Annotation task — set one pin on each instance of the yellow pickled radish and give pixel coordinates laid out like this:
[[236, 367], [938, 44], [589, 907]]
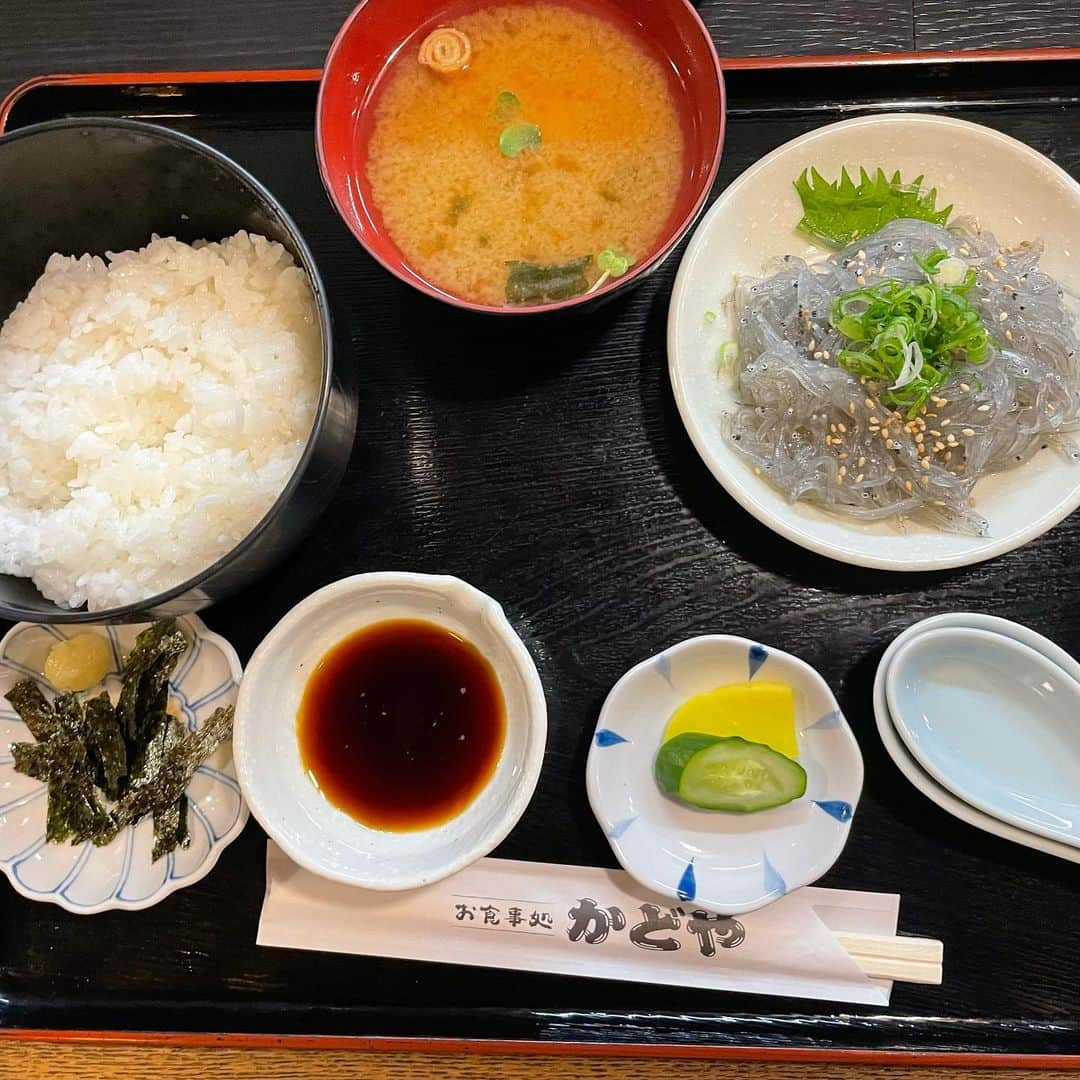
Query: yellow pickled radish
[[78, 663], [761, 712], [446, 50]]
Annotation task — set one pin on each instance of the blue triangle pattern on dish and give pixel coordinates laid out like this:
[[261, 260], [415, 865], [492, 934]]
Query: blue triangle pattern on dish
[[620, 827], [827, 722], [606, 737], [687, 887], [758, 655], [663, 668], [836, 808], [774, 883]]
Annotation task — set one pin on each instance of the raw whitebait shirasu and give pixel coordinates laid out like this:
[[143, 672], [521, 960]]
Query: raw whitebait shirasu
[[819, 433]]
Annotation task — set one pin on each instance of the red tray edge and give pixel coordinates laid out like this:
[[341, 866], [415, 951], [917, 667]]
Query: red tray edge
[[523, 1047], [735, 63], [531, 1048]]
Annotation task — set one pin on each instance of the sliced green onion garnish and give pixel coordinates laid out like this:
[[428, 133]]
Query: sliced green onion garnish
[[910, 337], [518, 137]]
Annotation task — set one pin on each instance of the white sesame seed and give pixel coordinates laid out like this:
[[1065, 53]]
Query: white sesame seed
[[843, 471], [851, 408], [817, 356], [832, 428], [874, 420], [907, 484], [825, 353], [925, 462], [968, 432], [842, 427], [938, 447], [869, 403], [1003, 316], [889, 444], [1008, 335], [858, 479], [946, 422], [983, 408], [964, 386], [862, 462]]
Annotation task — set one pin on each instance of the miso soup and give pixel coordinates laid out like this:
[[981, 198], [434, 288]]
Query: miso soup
[[525, 153]]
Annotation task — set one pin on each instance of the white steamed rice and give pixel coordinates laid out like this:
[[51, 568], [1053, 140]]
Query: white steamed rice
[[153, 405]]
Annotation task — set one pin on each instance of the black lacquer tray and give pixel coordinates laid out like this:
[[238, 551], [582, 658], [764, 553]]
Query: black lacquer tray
[[547, 465]]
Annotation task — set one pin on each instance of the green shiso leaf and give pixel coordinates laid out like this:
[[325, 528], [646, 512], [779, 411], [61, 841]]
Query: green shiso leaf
[[835, 213], [518, 137], [535, 282]]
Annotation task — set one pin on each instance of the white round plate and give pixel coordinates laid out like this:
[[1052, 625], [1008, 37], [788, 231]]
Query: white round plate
[[911, 769], [80, 877], [726, 863], [308, 827], [1013, 191]]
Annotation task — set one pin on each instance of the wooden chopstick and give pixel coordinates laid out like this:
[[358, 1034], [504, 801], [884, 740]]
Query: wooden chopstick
[[902, 959]]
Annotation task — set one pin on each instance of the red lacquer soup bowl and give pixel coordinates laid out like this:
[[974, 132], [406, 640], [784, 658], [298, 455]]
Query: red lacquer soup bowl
[[377, 31]]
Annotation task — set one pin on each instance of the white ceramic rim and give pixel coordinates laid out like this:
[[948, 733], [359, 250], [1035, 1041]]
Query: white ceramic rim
[[531, 764], [169, 886], [918, 752], [910, 769], [742, 489], [819, 868]]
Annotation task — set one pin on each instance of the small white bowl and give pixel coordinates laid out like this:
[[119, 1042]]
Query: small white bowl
[[727, 863], [995, 722], [311, 830], [913, 771]]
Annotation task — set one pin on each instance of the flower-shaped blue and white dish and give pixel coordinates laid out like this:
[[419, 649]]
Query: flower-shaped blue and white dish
[[728, 863], [119, 875]]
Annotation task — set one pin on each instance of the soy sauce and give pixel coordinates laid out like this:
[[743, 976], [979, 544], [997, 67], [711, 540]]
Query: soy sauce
[[401, 725]]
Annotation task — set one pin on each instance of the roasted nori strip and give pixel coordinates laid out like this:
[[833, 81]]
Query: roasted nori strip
[[135, 752], [106, 746], [171, 828], [53, 760], [34, 711], [178, 762], [142, 686]]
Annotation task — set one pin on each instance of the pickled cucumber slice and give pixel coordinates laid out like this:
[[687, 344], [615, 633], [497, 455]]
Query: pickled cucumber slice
[[673, 756], [727, 773]]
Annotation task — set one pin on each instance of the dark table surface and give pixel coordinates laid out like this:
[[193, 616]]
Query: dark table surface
[[435, 430]]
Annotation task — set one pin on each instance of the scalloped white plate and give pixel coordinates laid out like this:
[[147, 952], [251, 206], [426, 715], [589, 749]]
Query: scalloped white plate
[[728, 863], [1013, 191], [80, 877]]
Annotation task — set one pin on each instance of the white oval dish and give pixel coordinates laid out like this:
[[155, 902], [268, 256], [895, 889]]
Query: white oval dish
[[984, 173], [727, 863], [917, 776], [80, 877], [993, 721], [311, 830]]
